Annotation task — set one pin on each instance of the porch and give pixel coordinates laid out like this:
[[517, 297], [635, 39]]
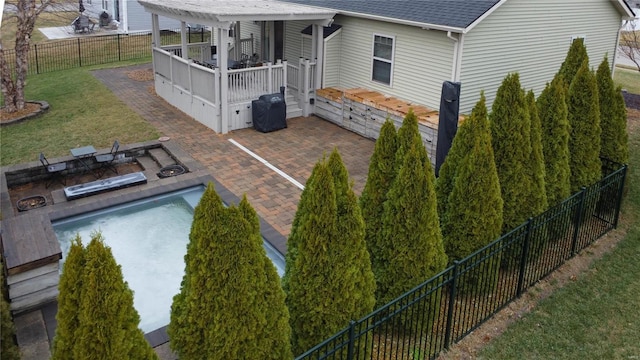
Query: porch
[[215, 82]]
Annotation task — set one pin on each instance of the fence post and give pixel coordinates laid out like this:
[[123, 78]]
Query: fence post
[[352, 331], [79, 53], [35, 48], [577, 222], [619, 200], [525, 255], [119, 57], [452, 300], [202, 35]]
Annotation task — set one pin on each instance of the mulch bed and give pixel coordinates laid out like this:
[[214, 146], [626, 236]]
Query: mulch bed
[[632, 100]]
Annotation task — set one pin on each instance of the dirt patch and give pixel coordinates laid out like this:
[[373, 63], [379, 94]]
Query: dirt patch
[[632, 100], [30, 109], [141, 75]]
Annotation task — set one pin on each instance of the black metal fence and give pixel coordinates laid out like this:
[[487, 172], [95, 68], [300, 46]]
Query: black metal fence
[[447, 307], [95, 50]]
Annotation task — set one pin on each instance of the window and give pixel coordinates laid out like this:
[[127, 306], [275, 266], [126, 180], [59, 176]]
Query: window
[[382, 59]]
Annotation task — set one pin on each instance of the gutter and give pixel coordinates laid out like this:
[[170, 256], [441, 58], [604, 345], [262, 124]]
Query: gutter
[[457, 55]]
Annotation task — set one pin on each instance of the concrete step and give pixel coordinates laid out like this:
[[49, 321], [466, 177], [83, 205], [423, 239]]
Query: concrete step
[[161, 157]]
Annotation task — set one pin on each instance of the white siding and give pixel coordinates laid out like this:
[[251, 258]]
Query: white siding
[[332, 60], [140, 20], [422, 61], [293, 41], [250, 27], [532, 37]]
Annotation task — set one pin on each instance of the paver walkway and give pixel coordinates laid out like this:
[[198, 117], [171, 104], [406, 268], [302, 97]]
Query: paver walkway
[[294, 150]]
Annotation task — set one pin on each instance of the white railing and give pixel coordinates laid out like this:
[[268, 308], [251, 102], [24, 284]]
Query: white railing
[[293, 72], [198, 51], [197, 80], [306, 81], [249, 84]]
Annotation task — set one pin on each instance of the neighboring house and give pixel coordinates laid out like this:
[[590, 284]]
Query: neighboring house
[[131, 16], [403, 49]]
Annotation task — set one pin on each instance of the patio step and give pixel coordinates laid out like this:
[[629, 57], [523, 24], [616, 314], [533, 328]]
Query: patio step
[[293, 108], [161, 157]]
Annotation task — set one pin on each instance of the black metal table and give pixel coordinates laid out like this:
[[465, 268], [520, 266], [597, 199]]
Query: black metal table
[[82, 154]]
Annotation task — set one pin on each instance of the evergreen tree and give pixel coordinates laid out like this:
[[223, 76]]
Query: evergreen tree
[[511, 140], [538, 194], [69, 301], [584, 141], [552, 110], [408, 135], [461, 146], [310, 295], [332, 261], [613, 118], [474, 216], [8, 348], [576, 55], [414, 251], [108, 322], [230, 303], [381, 174]]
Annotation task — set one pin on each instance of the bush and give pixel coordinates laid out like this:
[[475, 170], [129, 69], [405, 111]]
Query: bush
[[552, 110], [537, 194], [576, 55], [511, 140], [584, 140], [107, 320], [379, 179], [230, 303], [613, 117]]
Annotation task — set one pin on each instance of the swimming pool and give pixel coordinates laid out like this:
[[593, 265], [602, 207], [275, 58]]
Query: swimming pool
[[148, 239]]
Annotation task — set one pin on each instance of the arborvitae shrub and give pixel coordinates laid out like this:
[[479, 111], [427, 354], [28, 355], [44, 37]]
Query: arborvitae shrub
[[576, 55], [379, 179], [108, 322], [234, 302], [511, 140], [408, 135], [461, 146], [552, 110], [414, 251], [613, 118], [310, 296], [474, 216], [8, 347], [69, 300], [537, 194], [584, 140], [330, 281]]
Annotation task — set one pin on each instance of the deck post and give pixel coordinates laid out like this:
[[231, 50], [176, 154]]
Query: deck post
[[155, 38], [319, 37], [184, 43], [284, 78], [269, 77], [305, 102], [300, 78], [223, 56]]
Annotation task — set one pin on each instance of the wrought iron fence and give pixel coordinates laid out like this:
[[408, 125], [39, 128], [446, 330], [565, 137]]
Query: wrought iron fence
[[95, 50], [447, 307]]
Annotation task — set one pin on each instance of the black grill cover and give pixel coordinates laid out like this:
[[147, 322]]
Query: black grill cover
[[269, 113], [448, 121]]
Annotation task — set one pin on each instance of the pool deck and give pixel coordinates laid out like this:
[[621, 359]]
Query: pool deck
[[294, 151]]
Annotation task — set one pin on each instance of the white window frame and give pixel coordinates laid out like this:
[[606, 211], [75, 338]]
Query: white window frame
[[583, 37], [374, 58]]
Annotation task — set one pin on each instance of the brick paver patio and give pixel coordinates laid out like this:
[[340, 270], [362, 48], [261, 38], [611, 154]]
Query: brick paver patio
[[293, 150]]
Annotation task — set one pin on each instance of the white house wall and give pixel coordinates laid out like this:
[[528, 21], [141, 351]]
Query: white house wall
[[251, 27], [332, 60], [532, 38], [422, 59], [293, 41], [140, 20]]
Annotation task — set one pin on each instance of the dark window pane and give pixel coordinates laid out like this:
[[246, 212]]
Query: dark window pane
[[382, 71]]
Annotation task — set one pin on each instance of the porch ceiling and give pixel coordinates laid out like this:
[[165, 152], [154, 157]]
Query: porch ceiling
[[221, 12]]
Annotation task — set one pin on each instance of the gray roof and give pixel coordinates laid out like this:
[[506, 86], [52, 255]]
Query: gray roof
[[449, 13]]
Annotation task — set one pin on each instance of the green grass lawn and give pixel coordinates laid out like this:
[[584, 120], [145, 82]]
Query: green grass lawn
[[83, 111], [597, 316], [629, 79]]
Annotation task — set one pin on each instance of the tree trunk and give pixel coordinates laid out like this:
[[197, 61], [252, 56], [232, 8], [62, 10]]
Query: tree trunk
[[8, 87]]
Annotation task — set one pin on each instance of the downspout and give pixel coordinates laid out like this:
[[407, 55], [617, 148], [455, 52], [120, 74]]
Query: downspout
[[457, 55], [615, 52]]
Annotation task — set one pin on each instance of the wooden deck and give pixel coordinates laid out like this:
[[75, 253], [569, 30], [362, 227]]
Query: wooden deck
[[29, 242]]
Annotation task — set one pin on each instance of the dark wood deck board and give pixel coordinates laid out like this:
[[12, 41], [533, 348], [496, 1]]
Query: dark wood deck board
[[29, 238]]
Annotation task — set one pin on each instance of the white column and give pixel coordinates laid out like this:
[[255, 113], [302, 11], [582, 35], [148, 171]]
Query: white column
[[319, 36], [238, 45], [183, 40], [223, 56], [155, 30]]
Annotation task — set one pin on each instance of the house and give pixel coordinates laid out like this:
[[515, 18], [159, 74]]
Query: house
[[402, 49], [131, 16]]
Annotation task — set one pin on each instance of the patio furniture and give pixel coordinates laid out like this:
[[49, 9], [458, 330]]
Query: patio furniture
[[106, 160], [83, 24], [54, 171], [82, 154]]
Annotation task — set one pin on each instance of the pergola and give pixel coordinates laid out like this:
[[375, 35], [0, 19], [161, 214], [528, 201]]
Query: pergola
[[224, 15]]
